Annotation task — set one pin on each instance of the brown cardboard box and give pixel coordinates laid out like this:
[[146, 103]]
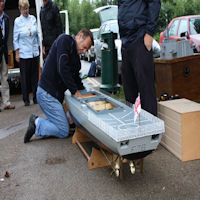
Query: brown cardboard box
[[182, 128]]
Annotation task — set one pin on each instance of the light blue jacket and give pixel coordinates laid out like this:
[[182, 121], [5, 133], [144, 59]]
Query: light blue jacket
[[25, 36]]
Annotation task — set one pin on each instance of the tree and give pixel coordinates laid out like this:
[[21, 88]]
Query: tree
[[74, 16], [61, 4], [89, 18], [81, 13]]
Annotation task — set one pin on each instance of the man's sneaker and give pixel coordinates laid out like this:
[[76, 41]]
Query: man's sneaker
[[31, 128]]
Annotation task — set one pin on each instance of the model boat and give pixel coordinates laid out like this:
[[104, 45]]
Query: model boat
[[111, 123]]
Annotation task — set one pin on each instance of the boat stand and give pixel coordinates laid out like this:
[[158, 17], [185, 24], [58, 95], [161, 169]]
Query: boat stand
[[101, 157]]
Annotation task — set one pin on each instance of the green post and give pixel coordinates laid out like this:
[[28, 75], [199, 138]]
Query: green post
[[109, 63]]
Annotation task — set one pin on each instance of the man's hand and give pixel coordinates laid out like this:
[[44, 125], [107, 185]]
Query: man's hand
[[17, 55], [148, 41]]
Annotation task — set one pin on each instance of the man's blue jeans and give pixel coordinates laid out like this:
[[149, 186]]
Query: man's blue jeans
[[56, 124]]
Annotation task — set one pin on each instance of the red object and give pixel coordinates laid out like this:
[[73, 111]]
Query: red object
[[187, 27], [137, 107]]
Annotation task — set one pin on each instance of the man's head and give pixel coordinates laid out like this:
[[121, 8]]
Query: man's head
[[2, 3], [45, 2], [84, 40]]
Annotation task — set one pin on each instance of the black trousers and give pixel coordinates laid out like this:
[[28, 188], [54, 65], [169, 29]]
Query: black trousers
[[138, 75], [29, 72]]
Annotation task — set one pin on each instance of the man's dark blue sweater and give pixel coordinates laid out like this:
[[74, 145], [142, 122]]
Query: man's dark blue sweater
[[136, 18], [61, 69]]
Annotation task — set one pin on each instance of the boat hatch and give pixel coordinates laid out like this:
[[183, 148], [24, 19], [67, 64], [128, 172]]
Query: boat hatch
[[87, 96], [100, 105]]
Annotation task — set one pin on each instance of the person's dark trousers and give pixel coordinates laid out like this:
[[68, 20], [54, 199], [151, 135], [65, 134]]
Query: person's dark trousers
[[46, 52], [138, 75], [29, 72]]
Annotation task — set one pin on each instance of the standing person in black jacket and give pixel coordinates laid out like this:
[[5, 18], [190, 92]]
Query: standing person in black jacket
[[137, 23], [4, 31], [51, 24], [60, 72]]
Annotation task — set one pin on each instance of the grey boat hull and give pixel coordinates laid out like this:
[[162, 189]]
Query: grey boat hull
[[114, 127]]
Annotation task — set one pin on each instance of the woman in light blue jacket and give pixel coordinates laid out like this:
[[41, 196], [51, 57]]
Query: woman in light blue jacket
[[26, 45]]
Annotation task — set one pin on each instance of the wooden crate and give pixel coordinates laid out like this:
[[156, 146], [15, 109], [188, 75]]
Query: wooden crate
[[178, 76], [182, 128]]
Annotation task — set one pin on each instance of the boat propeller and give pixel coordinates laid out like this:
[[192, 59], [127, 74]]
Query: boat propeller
[[132, 167]]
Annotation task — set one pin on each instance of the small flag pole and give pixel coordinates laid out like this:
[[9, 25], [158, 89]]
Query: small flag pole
[[139, 120]]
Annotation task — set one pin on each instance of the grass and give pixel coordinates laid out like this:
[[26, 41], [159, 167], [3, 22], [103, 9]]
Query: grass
[[119, 95]]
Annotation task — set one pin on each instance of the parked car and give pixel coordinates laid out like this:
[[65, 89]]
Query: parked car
[[187, 27], [90, 54]]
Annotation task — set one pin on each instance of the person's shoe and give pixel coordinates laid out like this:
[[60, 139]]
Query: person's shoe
[[0, 109], [27, 103], [31, 128], [9, 107]]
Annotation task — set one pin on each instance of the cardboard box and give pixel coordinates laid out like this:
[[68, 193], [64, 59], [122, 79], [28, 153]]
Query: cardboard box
[[182, 128]]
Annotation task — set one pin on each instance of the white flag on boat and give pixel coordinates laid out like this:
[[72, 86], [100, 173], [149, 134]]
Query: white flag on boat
[[137, 108]]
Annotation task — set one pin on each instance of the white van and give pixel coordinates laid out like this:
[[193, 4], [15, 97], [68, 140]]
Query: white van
[[11, 9]]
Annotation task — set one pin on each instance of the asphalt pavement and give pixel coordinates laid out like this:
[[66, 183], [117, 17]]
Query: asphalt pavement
[[55, 169]]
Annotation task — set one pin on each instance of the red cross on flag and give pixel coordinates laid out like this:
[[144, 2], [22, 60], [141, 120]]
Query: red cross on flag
[[137, 108]]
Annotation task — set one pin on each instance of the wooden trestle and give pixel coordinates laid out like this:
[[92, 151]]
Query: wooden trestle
[[101, 156]]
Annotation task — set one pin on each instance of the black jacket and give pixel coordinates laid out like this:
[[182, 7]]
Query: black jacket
[[4, 40], [136, 18], [61, 69], [51, 23]]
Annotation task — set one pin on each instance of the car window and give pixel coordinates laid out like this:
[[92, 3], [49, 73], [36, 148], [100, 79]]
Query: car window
[[107, 28], [95, 34], [109, 14], [173, 28], [194, 26], [182, 27], [98, 35], [101, 31], [112, 27]]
